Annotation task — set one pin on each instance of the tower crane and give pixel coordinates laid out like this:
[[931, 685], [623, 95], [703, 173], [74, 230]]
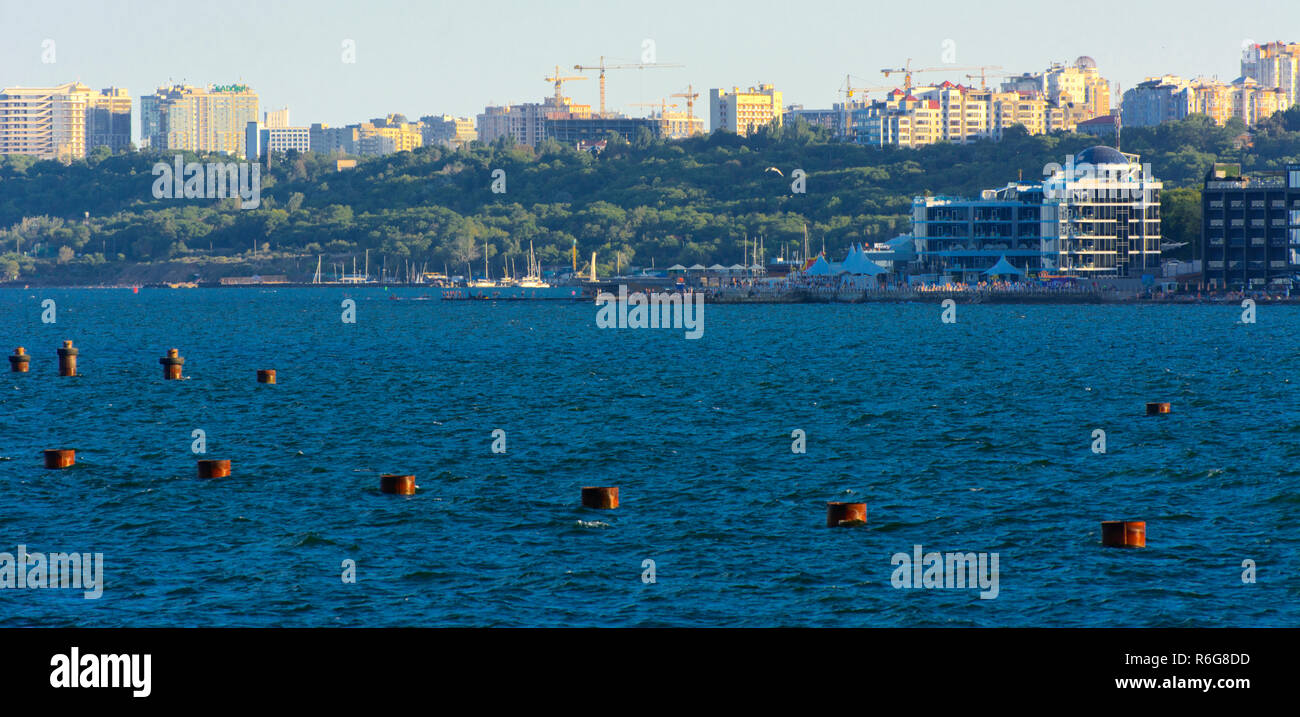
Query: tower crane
[[559, 84], [907, 70], [691, 95], [849, 89], [627, 66]]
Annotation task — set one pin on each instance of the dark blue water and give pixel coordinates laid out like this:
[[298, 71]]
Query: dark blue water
[[972, 436]]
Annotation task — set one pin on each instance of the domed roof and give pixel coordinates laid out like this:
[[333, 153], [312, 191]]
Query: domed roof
[[1100, 155], [1084, 62]]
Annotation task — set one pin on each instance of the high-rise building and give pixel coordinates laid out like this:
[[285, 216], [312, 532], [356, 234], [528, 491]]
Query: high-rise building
[[526, 123], [275, 119], [900, 119], [262, 140], [744, 112], [200, 120], [1250, 228], [63, 122], [1276, 64], [1155, 100], [1170, 97], [447, 130], [1098, 216], [108, 120], [1079, 89], [333, 140], [389, 134]]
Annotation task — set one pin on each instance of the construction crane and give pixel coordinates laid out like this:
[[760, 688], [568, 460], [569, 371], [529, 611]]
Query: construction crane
[[849, 89], [602, 67], [559, 84], [983, 83], [908, 71], [662, 105], [690, 94], [1004, 75]]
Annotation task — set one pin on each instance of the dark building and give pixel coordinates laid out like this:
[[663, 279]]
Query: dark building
[[1250, 228], [572, 131]]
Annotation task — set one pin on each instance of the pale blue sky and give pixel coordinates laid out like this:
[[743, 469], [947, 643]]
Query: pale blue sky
[[426, 57]]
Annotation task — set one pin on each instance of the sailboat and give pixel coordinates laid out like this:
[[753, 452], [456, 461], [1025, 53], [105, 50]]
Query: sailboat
[[533, 278], [486, 282]]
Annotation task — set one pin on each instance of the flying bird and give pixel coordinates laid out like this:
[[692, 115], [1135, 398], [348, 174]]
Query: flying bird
[[773, 169]]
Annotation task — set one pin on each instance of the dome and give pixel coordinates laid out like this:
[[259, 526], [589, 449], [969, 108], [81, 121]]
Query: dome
[[1084, 62], [1100, 155]]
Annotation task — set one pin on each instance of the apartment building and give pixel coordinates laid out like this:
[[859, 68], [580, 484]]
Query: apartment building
[[1170, 97], [63, 122], [108, 119], [1156, 100], [1275, 64], [744, 112], [1250, 228], [1098, 216], [1079, 89], [325, 139], [183, 117], [447, 130], [263, 140], [526, 123]]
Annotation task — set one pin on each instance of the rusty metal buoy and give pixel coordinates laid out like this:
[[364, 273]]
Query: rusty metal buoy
[[19, 361], [60, 457], [266, 375], [1155, 409], [395, 484], [1124, 533], [845, 515], [172, 364], [67, 360], [602, 497], [214, 468]]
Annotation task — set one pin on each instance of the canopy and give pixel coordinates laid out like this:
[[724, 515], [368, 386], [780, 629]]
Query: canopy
[[737, 267], [1002, 268], [676, 267], [820, 267], [717, 267], [860, 264], [696, 267]]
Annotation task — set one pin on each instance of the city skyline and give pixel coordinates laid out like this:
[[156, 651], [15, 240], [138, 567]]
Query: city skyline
[[292, 53]]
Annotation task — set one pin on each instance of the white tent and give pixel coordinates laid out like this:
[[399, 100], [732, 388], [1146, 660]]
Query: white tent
[[860, 264], [676, 267], [696, 267], [1003, 268], [820, 267]]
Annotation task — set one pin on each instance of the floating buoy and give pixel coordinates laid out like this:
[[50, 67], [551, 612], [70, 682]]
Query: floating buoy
[[19, 361], [605, 498], [845, 515], [266, 375], [172, 364], [60, 457], [1155, 409], [1124, 533], [67, 360], [397, 484], [214, 468]]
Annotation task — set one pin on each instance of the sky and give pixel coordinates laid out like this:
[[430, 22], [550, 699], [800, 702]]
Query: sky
[[430, 57]]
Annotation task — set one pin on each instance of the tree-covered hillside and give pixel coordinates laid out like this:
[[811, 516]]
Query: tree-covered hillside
[[683, 201]]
